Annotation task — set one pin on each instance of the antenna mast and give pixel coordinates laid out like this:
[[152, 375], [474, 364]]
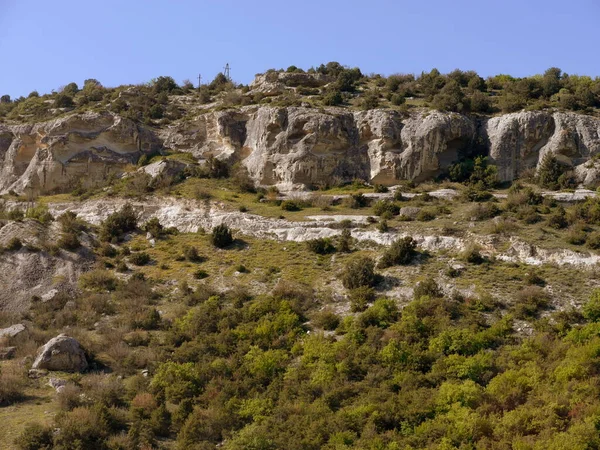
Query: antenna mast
[[199, 80], [227, 72]]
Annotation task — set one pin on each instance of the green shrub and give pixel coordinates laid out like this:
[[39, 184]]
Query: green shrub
[[291, 205], [591, 310], [118, 223], [427, 288], [472, 254], [321, 246], [326, 319], [221, 236], [360, 298], [63, 101], [484, 211], [558, 219], [333, 98], [356, 201], [69, 241], [425, 215], [549, 172], [107, 250], [200, 274], [16, 214], [576, 235], [35, 437], [345, 241], [154, 227], [98, 280], [386, 206], [402, 251], [14, 244], [529, 301], [359, 272], [191, 254], [139, 258], [39, 213], [593, 240]]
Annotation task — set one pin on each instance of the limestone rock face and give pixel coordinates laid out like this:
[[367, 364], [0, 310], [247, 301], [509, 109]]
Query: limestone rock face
[[80, 148], [292, 147], [61, 353], [519, 141], [415, 148], [295, 147], [275, 83]]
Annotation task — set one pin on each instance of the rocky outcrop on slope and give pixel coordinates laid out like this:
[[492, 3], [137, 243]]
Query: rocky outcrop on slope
[[77, 149], [519, 141], [296, 147], [32, 271]]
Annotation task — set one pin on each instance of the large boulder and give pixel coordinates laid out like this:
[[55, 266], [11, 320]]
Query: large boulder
[[62, 353]]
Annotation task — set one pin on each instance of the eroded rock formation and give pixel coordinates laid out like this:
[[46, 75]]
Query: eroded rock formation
[[295, 147]]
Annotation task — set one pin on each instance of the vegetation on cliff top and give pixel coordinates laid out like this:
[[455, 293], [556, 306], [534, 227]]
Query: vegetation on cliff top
[[461, 91]]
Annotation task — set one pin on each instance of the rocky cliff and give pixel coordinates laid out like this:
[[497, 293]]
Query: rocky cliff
[[294, 147]]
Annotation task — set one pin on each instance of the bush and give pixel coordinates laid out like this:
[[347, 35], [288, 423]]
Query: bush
[[345, 241], [484, 211], [69, 241], [35, 437], [192, 255], [98, 280], [63, 101], [12, 384], [425, 215], [360, 298], [576, 235], [386, 206], [529, 301], [333, 98], [154, 227], [200, 274], [291, 205], [593, 240], [402, 251], [356, 201], [427, 288], [117, 224], [14, 244], [221, 236], [321, 246], [591, 310], [326, 319], [558, 219], [139, 258], [359, 272], [472, 255]]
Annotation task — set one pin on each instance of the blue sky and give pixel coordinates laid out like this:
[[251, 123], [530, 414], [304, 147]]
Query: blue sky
[[47, 44]]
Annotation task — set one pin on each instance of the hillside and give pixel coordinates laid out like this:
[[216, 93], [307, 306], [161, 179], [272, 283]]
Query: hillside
[[320, 260]]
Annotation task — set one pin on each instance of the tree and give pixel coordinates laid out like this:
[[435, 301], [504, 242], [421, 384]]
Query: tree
[[219, 82], [5, 99], [450, 98], [221, 236], [164, 84], [63, 101], [551, 81], [70, 89], [549, 172]]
